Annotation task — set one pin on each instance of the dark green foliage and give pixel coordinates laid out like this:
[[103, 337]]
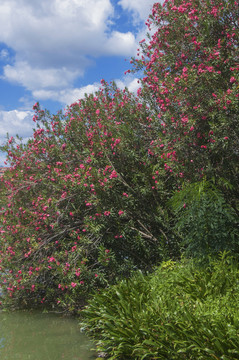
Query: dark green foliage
[[182, 311], [207, 223]]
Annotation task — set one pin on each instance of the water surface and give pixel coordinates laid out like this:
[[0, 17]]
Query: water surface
[[37, 336]]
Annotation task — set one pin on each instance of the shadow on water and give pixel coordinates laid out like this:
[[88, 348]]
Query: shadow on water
[[37, 336]]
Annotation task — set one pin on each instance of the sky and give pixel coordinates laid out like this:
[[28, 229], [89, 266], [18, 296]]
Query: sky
[[55, 51]]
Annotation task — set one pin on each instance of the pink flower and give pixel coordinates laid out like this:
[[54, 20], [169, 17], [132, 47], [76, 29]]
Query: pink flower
[[73, 284], [64, 195], [120, 212], [97, 112], [77, 272], [113, 174]]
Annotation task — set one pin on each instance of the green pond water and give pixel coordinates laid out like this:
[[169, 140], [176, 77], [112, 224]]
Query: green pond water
[[37, 336]]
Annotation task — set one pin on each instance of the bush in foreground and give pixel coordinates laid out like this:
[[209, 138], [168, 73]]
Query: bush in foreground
[[79, 203], [182, 311]]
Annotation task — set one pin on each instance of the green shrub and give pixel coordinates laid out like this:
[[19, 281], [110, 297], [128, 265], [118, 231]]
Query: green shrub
[[207, 223], [182, 311]]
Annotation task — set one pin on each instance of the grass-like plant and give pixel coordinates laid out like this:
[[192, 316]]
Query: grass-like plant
[[182, 311]]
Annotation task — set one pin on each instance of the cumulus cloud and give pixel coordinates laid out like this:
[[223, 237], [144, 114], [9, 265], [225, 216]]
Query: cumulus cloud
[[14, 123], [121, 43], [55, 41], [33, 77], [132, 83], [66, 96], [140, 8], [4, 54], [44, 30]]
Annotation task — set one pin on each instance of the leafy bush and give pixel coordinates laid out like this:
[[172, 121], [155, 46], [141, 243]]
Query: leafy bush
[[182, 311], [207, 223], [79, 205], [190, 81]]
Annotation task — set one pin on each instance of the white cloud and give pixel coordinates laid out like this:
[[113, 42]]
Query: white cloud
[[130, 82], [121, 43], [15, 122], [69, 96], [53, 26], [66, 96], [140, 8], [55, 41], [33, 77], [4, 54]]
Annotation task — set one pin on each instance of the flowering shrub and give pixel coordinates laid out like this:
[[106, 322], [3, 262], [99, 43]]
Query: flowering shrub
[[80, 205], [190, 81]]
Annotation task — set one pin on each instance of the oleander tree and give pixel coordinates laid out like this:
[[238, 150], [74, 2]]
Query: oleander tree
[[190, 84], [81, 207]]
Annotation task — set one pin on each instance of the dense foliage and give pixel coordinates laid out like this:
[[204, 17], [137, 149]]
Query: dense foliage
[[119, 183], [191, 84], [82, 208], [182, 311], [191, 67]]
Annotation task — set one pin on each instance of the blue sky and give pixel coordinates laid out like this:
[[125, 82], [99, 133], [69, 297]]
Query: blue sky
[[54, 51]]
